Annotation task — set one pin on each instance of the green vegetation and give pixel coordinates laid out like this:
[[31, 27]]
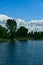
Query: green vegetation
[[11, 32], [11, 26], [21, 32], [3, 33], [36, 35]]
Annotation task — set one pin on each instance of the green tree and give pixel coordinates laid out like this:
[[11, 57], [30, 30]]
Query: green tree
[[22, 32], [11, 26], [3, 33]]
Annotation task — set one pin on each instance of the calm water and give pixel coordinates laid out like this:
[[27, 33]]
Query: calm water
[[21, 53]]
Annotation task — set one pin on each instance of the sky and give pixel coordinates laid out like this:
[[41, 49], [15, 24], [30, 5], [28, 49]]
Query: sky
[[27, 13], [24, 9]]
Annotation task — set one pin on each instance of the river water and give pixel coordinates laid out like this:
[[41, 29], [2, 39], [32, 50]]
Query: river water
[[26, 52]]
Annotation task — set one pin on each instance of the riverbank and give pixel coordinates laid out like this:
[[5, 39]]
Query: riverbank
[[4, 40], [19, 38], [23, 38]]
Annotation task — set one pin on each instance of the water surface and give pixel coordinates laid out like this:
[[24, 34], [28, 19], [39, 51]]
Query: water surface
[[21, 53]]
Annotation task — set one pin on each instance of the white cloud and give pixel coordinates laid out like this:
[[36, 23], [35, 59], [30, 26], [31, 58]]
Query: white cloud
[[33, 25], [3, 19]]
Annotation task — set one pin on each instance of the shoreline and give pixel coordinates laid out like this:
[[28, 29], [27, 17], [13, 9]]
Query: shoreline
[[18, 38]]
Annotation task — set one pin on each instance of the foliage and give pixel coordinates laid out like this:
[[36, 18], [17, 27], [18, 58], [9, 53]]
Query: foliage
[[21, 32], [11, 25], [3, 32], [36, 35]]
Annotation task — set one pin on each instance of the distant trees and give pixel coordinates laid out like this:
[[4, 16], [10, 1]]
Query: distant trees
[[36, 35], [3, 33], [22, 32], [11, 26]]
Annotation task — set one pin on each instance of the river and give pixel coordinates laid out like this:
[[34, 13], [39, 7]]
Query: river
[[26, 52]]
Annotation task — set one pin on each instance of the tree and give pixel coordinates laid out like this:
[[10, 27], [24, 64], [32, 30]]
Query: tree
[[22, 32], [3, 33], [11, 26]]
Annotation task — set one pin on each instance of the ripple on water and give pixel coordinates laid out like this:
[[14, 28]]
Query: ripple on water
[[21, 53]]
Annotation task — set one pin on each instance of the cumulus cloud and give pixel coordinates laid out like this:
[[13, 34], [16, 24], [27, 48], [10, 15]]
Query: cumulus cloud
[[32, 25], [3, 19]]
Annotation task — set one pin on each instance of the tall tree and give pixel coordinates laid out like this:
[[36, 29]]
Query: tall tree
[[11, 25]]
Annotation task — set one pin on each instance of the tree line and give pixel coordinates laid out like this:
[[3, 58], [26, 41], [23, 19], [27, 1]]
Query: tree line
[[11, 32]]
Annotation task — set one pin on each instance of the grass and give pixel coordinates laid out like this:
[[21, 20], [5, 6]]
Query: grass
[[24, 38], [3, 40], [19, 38]]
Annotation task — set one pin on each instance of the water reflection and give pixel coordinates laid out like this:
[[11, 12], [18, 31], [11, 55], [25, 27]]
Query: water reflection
[[21, 53], [10, 49]]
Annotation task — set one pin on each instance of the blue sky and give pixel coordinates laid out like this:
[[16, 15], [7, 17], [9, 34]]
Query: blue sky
[[24, 9]]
